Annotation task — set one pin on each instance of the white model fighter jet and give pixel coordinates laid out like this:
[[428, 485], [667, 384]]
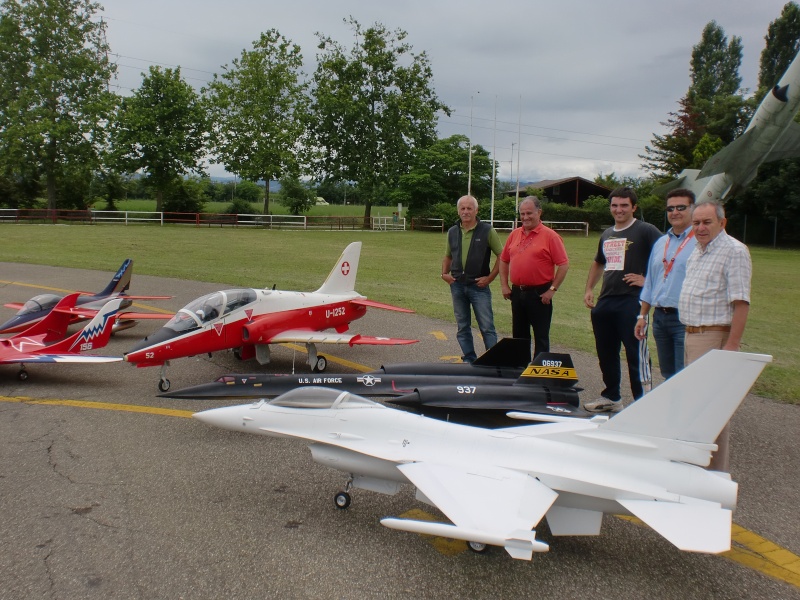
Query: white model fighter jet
[[496, 485]]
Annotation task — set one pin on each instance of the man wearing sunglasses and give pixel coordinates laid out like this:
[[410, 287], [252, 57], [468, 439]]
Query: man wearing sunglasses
[[662, 285]]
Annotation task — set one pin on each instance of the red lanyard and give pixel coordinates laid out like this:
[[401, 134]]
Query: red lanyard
[[668, 265]]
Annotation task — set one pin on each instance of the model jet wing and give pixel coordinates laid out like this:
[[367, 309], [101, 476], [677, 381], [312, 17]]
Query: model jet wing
[[490, 499], [788, 145], [494, 502], [58, 358], [323, 337]]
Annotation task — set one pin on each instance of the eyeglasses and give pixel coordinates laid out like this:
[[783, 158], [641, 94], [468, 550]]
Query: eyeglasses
[[679, 208]]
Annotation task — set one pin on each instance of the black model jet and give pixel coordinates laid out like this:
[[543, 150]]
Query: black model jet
[[495, 384], [506, 360]]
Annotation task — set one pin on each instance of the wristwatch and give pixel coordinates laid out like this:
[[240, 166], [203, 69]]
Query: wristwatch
[[640, 317], [553, 289]]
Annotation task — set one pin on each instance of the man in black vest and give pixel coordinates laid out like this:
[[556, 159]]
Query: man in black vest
[[470, 245]]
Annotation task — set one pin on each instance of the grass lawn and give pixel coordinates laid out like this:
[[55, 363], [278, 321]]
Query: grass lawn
[[400, 268]]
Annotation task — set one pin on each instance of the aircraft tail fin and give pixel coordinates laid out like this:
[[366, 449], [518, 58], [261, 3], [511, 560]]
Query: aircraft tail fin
[[686, 179], [54, 325], [95, 335], [508, 352], [342, 278], [550, 369], [693, 406], [121, 280]]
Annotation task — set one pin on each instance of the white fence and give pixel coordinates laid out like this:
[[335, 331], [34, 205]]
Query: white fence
[[131, 217]]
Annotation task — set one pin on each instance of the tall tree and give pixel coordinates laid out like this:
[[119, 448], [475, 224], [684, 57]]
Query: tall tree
[[371, 107], [256, 108], [160, 130], [783, 44], [438, 174], [54, 98], [714, 105]]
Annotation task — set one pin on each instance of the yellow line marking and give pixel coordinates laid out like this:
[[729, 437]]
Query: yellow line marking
[[755, 552], [450, 359], [35, 286], [439, 335], [153, 410]]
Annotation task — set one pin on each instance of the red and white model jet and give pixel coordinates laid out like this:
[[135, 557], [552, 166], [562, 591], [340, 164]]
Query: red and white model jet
[[86, 306], [44, 341], [248, 320]]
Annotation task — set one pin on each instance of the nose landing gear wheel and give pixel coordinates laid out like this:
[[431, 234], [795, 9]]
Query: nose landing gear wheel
[[342, 500], [163, 385]]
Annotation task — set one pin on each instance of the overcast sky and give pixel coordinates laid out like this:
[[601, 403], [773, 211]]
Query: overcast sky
[[590, 82]]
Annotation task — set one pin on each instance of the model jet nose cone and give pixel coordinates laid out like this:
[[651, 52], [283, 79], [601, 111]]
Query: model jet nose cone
[[14, 323], [159, 337], [227, 417]]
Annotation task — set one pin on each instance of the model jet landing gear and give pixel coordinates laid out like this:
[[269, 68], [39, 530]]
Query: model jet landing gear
[[163, 383], [23, 374], [477, 547], [342, 500], [318, 363]]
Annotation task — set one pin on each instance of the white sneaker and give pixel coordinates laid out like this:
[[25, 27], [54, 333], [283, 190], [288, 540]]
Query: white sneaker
[[602, 405]]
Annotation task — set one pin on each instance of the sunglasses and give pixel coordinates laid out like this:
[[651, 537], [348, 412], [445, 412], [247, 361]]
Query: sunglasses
[[679, 208]]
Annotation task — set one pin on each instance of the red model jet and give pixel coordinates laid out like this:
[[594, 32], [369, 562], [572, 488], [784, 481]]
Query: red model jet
[[87, 305], [44, 341], [248, 320]]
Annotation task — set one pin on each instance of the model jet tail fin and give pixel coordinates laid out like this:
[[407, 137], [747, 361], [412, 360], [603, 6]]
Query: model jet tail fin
[[95, 335], [342, 278], [684, 415], [54, 325], [508, 352], [550, 369], [121, 280]]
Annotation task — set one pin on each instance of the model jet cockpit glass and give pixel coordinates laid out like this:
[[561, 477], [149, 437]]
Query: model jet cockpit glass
[[319, 397], [39, 303], [207, 308]]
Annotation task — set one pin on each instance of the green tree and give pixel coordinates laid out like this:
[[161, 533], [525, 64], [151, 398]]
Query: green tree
[[54, 98], [338, 192], [372, 105], [714, 105], [160, 130], [439, 173], [257, 107], [783, 44], [249, 191], [295, 195]]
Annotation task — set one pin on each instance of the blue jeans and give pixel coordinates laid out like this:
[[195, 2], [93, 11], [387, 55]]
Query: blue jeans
[[480, 299], [669, 333]]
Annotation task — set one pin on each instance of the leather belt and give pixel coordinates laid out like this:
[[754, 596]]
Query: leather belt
[[704, 328], [666, 309], [532, 288]]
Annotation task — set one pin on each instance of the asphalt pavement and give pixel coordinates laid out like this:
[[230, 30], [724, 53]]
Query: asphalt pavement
[[107, 491]]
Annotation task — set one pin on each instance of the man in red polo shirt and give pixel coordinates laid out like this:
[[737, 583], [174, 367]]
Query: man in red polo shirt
[[535, 258]]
